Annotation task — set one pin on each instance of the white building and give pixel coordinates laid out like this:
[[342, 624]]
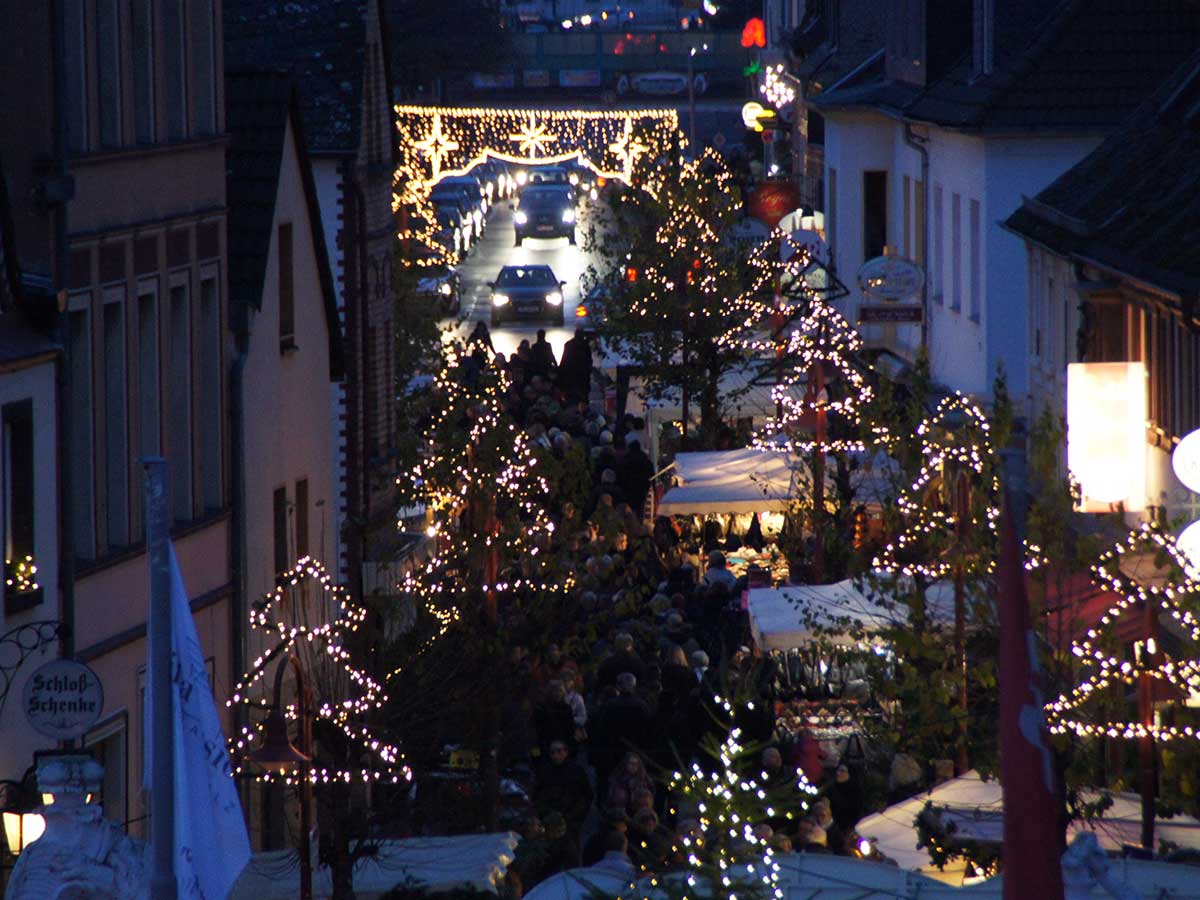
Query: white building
[[934, 138]]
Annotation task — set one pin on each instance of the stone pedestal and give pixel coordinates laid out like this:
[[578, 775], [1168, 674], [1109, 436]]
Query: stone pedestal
[[82, 854]]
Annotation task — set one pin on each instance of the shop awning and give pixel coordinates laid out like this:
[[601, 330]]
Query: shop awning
[[789, 617]]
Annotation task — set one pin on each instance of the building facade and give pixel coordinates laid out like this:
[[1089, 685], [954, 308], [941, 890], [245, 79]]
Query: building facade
[[140, 273]]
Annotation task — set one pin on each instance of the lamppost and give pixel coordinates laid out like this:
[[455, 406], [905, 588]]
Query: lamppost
[[277, 753]]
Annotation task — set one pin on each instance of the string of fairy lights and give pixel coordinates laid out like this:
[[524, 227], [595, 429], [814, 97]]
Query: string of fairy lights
[[1172, 596], [383, 762], [21, 575]]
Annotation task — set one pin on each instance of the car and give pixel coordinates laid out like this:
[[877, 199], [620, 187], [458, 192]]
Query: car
[[582, 178], [455, 228], [442, 289], [466, 201], [527, 292], [474, 183], [591, 313], [545, 211]]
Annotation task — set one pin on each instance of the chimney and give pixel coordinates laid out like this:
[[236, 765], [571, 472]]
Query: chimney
[[983, 37], [924, 37]]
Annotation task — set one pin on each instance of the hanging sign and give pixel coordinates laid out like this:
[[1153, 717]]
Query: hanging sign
[[890, 278], [890, 314], [1186, 461], [1106, 434], [63, 699]]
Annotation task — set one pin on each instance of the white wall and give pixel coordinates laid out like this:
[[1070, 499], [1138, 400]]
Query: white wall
[[18, 740], [329, 187], [287, 414]]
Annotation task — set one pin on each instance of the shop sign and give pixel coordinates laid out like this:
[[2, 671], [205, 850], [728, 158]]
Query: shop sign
[[536, 78], [1186, 461], [1106, 434], [579, 78], [890, 314], [492, 80], [63, 699], [890, 278], [1189, 544]]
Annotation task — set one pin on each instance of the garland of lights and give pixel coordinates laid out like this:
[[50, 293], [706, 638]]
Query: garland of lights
[[821, 337], [21, 576], [435, 142], [974, 456], [1109, 670], [729, 804], [386, 760]]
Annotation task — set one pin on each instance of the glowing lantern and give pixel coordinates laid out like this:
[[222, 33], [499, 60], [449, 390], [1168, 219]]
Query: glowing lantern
[[1106, 433]]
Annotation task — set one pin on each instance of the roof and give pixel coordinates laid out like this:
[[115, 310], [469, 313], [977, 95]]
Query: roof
[[1069, 66], [1133, 204], [322, 44], [19, 339], [258, 107]]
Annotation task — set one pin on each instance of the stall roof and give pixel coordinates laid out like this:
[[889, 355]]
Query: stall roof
[[445, 863], [752, 480], [977, 810], [787, 617]]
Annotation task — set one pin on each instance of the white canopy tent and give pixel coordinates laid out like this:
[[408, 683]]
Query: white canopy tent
[[976, 808], [477, 861], [751, 480]]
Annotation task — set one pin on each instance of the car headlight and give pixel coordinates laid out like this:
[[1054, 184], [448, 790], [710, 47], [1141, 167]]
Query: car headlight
[[521, 217], [574, 179], [445, 289], [499, 299], [554, 298], [593, 194], [568, 217], [522, 177]]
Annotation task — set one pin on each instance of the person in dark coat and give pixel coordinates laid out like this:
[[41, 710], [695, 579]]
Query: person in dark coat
[[575, 370], [846, 804], [563, 787], [634, 472], [623, 723], [623, 659], [542, 360], [554, 718], [615, 821]]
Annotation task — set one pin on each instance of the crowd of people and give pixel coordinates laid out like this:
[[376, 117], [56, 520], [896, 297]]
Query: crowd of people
[[628, 690]]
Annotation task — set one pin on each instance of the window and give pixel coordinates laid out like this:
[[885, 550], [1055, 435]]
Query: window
[[907, 249], [148, 404], [116, 424], [203, 56], [976, 264], [302, 518], [17, 482], [938, 261], [175, 69], [210, 399], [279, 515], [141, 39], [108, 745], [83, 525], [179, 379], [108, 72], [956, 253], [75, 74], [287, 307], [874, 214], [919, 222]]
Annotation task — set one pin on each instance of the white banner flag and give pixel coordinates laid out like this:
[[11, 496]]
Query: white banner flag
[[211, 843]]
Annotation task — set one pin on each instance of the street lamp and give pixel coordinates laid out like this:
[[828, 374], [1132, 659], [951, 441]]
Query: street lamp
[[278, 754], [691, 86], [23, 824]]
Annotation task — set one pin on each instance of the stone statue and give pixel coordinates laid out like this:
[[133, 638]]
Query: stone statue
[[82, 854]]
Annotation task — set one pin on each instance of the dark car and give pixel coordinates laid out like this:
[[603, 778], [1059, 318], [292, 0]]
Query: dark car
[[545, 211], [527, 292]]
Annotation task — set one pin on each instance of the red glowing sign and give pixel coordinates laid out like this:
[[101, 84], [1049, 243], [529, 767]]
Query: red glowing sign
[[754, 34]]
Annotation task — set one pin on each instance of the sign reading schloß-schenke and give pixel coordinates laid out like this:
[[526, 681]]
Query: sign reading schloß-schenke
[[63, 699]]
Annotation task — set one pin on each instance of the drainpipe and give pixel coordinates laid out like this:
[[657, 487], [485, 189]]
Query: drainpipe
[[58, 194], [920, 144], [237, 537]]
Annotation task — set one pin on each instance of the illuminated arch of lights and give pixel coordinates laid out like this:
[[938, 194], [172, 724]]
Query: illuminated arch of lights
[[436, 142]]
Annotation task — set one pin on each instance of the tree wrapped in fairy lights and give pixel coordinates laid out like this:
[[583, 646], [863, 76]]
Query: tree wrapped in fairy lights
[[490, 569], [681, 282], [729, 849]]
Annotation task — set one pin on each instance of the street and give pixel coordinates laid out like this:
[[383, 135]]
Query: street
[[495, 250]]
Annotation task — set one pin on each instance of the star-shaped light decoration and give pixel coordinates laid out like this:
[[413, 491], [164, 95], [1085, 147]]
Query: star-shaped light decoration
[[437, 146], [533, 137], [627, 148]]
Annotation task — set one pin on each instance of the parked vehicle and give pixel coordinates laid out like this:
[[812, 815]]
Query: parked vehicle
[[442, 289], [455, 228], [473, 182], [527, 292], [545, 211], [467, 202]]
